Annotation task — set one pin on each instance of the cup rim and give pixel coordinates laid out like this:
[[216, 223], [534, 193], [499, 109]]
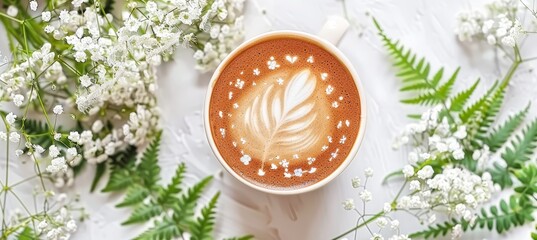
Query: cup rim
[[328, 47]]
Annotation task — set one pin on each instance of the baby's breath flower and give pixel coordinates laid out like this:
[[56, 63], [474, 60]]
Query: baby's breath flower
[[408, 171], [11, 118], [382, 222], [387, 207], [355, 182], [57, 165], [14, 137], [53, 151], [18, 152], [18, 99], [368, 172], [46, 16], [33, 5], [456, 232], [415, 185], [426, 172], [366, 195], [349, 204], [58, 109], [12, 11]]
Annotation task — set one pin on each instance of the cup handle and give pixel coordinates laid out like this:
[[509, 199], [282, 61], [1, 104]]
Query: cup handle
[[333, 29]]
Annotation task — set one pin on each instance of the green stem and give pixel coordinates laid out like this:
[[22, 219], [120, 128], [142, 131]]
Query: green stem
[[9, 17], [379, 214]]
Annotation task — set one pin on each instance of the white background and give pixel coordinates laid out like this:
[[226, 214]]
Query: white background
[[425, 26]]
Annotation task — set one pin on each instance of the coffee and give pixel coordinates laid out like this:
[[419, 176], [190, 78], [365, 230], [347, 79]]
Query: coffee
[[284, 113]]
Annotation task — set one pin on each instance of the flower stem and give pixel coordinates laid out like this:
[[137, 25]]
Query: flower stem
[[379, 214]]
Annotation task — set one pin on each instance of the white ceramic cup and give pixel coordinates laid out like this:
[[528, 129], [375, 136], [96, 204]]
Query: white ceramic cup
[[327, 38]]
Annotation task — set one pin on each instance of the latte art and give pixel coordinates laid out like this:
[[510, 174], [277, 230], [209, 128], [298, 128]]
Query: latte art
[[280, 119], [284, 113]]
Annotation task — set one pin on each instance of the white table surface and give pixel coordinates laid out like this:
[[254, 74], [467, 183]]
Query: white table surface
[[425, 26]]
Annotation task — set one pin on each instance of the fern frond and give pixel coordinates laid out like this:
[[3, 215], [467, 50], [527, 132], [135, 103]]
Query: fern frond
[[168, 195], [165, 229], [143, 213], [470, 111], [148, 168], [501, 175], [202, 228], [415, 74], [459, 101], [37, 131], [499, 136], [522, 147], [119, 180], [510, 214], [184, 210], [135, 194], [486, 116], [122, 165]]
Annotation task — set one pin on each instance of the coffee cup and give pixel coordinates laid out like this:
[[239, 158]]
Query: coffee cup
[[285, 111]]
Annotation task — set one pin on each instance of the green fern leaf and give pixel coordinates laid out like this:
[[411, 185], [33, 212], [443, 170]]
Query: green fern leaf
[[38, 131], [165, 229], [522, 147], [471, 110], [121, 169], [499, 136], [148, 168], [168, 195], [459, 101], [143, 213], [135, 194], [119, 180], [500, 175], [99, 173], [415, 76], [109, 6], [27, 233], [527, 176], [517, 212], [202, 228], [184, 210], [486, 116]]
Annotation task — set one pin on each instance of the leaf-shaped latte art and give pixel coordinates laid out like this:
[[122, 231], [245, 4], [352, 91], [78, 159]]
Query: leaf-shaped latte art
[[280, 120]]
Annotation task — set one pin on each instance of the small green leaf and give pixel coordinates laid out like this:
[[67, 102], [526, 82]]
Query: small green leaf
[[148, 168], [202, 228], [99, 173], [184, 210], [135, 194], [143, 213], [498, 136], [27, 233], [522, 147], [459, 101], [165, 229]]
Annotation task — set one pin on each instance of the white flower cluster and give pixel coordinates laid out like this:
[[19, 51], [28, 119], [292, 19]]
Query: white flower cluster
[[120, 86], [366, 196], [433, 138], [456, 190], [58, 226], [19, 79], [497, 24], [57, 222]]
